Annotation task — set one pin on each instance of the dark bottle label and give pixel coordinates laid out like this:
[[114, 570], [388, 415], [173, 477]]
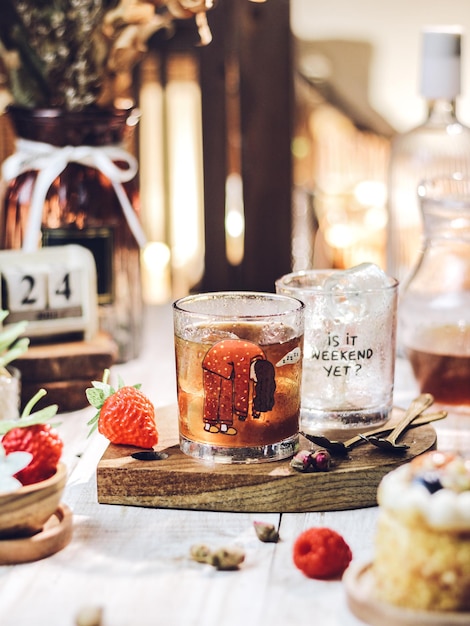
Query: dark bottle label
[[100, 242]]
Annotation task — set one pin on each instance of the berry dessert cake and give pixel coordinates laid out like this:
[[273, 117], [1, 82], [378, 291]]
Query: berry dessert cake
[[422, 549]]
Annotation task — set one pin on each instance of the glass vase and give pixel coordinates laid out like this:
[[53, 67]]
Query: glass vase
[[90, 199]]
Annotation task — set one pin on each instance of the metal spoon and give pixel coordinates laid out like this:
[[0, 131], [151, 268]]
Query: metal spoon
[[389, 443], [341, 448]]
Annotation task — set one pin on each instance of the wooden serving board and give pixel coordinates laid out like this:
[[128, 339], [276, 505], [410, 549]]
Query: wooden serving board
[[181, 482]]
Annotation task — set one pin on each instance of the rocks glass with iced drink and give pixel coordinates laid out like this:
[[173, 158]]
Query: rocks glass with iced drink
[[239, 370], [349, 346]]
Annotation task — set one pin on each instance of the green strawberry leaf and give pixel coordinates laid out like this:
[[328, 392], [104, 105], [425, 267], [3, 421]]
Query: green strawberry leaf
[[95, 397], [93, 428], [93, 420], [35, 418], [98, 384], [45, 414], [32, 402], [30, 419]]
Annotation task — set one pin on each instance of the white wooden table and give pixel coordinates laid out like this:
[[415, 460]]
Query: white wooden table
[[133, 562]]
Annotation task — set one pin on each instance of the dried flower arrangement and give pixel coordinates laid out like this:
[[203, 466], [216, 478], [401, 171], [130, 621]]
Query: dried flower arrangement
[[74, 54]]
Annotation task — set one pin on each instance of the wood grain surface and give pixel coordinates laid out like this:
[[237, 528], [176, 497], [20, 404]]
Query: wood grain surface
[[67, 360], [181, 482], [54, 536], [65, 370], [25, 510]]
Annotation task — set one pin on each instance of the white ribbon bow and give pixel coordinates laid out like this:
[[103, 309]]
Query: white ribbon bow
[[51, 161]]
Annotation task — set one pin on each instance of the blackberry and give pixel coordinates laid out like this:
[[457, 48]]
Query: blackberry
[[430, 480]]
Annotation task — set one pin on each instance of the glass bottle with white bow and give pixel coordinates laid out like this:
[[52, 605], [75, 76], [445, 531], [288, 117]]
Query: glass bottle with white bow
[[72, 181]]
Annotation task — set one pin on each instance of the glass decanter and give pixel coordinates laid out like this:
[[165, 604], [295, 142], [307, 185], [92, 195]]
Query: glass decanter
[[434, 308]]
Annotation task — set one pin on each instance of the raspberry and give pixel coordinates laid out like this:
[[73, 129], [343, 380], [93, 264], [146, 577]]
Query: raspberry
[[43, 442], [321, 553]]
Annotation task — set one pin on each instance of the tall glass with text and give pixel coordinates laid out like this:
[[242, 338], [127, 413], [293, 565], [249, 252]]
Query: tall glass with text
[[349, 355]]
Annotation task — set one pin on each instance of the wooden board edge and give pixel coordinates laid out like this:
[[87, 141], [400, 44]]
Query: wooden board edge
[[183, 483]]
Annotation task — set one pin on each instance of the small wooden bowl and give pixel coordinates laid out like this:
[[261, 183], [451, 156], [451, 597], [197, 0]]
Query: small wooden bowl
[[25, 511]]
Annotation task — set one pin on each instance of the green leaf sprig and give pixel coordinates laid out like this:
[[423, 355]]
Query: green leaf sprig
[[11, 347]]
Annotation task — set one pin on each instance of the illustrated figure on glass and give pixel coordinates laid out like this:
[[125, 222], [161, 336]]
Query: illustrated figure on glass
[[235, 371]]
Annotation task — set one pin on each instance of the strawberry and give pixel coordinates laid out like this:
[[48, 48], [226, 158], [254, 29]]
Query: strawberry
[[125, 416], [321, 553], [31, 434], [43, 442]]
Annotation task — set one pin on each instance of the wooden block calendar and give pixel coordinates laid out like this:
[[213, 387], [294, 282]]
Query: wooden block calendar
[[54, 290]]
